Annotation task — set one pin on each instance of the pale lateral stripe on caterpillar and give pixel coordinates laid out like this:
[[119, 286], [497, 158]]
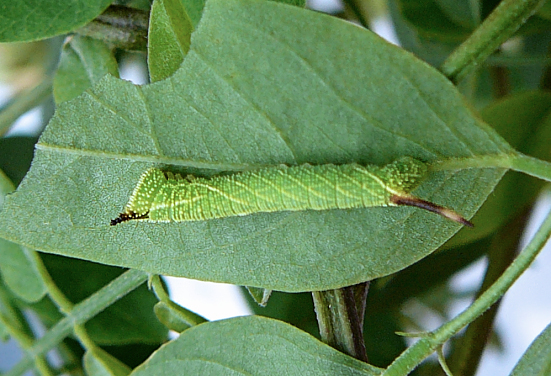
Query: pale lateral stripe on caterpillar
[[165, 197]]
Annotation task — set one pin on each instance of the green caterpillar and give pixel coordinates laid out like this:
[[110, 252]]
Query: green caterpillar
[[164, 197]]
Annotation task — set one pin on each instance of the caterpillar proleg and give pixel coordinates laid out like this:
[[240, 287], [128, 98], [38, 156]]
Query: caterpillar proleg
[[165, 197]]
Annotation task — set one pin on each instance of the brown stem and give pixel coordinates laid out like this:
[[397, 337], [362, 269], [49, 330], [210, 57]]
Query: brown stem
[[360, 297], [340, 325], [120, 27]]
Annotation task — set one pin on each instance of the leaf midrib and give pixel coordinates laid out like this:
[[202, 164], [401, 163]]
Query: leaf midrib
[[153, 159]]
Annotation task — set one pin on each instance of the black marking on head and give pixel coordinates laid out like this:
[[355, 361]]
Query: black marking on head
[[123, 217]]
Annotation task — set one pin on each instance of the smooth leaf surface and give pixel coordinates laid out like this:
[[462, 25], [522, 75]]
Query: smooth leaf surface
[[27, 20], [19, 272], [536, 361], [263, 84], [17, 268], [250, 345], [168, 39], [84, 61]]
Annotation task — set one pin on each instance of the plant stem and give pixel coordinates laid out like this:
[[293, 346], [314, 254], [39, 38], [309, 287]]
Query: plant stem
[[60, 300], [532, 166], [25, 342], [159, 289], [360, 297], [410, 358], [339, 322], [81, 313], [120, 27], [468, 350], [517, 162], [499, 26]]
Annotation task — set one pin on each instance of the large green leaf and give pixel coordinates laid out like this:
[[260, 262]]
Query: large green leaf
[[26, 20], [263, 84], [251, 345]]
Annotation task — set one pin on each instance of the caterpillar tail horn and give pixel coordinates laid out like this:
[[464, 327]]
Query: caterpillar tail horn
[[427, 205]]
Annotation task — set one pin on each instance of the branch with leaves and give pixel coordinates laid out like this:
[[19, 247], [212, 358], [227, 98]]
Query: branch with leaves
[[241, 92]]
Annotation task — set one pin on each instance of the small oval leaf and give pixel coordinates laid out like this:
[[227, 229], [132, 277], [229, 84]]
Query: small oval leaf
[[252, 345], [83, 62], [175, 317], [17, 266], [169, 38]]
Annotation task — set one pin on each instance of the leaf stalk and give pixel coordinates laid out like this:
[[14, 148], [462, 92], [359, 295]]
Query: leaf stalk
[[518, 162]]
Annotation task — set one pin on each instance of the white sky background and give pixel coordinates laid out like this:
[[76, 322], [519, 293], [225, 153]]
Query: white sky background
[[524, 312]]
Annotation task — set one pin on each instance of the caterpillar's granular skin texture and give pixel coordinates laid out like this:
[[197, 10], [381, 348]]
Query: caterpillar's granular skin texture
[[165, 197]]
